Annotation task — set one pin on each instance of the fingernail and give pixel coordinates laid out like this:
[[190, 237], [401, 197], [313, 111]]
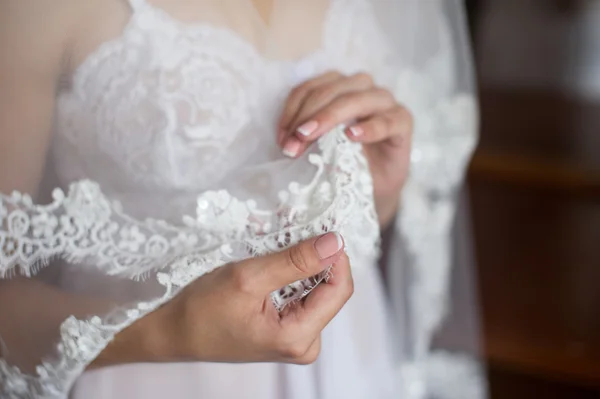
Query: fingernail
[[329, 245], [308, 128], [356, 131], [291, 148]]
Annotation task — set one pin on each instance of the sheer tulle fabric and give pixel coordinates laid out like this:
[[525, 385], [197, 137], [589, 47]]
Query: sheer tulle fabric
[[164, 166]]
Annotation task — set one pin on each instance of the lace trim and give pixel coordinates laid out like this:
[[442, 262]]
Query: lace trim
[[443, 375], [445, 125], [85, 225], [208, 77], [427, 210], [83, 340], [146, 16]]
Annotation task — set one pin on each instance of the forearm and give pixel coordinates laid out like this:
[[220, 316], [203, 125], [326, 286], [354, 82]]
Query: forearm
[[147, 340], [31, 313]]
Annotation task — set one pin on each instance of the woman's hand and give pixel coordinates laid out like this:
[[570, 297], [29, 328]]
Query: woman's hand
[[373, 117], [228, 316]]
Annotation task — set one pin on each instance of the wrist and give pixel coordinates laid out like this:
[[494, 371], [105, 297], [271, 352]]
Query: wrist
[[147, 340], [157, 333]]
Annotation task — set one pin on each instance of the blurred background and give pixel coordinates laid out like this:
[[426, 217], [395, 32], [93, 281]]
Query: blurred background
[[534, 186]]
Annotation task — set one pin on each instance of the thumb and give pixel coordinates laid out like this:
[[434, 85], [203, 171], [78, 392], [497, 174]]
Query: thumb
[[306, 259]]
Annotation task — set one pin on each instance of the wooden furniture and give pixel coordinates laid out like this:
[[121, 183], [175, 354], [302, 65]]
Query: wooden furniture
[[535, 196], [534, 187]]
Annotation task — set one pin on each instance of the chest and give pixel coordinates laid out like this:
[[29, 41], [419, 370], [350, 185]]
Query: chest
[[180, 104]]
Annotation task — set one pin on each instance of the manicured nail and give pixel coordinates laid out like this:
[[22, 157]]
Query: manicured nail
[[329, 245], [291, 148], [308, 128], [356, 131]]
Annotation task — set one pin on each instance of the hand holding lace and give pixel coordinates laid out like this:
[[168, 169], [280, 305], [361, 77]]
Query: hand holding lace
[[227, 315], [373, 117]]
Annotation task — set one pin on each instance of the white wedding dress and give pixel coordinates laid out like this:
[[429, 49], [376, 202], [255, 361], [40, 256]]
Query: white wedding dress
[[172, 119], [210, 87]]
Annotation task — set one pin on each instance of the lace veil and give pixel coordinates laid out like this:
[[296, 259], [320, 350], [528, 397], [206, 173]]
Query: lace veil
[[163, 166]]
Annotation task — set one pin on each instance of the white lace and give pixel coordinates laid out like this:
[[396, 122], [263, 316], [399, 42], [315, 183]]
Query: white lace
[[198, 87], [84, 225], [443, 375], [160, 109]]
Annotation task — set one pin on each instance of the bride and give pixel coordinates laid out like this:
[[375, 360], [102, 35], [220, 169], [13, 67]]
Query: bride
[[186, 183]]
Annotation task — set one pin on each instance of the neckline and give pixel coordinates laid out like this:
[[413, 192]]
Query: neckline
[[236, 38], [266, 16], [83, 70]]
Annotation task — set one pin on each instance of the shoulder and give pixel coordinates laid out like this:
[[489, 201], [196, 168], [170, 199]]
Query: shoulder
[[41, 34], [34, 34]]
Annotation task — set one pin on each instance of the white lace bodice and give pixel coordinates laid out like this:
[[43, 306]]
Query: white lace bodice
[[173, 109], [176, 122]]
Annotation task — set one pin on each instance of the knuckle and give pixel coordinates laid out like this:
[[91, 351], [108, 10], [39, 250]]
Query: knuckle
[[344, 103], [388, 122], [385, 94], [292, 349], [299, 259], [333, 74], [298, 92], [296, 351], [241, 278], [330, 114], [406, 118], [309, 358], [351, 98], [364, 78], [349, 103], [323, 94]]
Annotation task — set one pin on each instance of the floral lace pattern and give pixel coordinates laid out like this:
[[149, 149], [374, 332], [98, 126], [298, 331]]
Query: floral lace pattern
[[199, 87], [84, 225], [145, 82]]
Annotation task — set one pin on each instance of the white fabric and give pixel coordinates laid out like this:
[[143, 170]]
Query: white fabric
[[165, 156], [355, 363]]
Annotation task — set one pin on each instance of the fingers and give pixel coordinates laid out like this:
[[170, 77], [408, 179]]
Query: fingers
[[323, 95], [297, 98], [267, 274], [303, 350], [308, 318], [395, 124], [348, 107], [308, 98], [343, 109], [308, 355], [325, 301]]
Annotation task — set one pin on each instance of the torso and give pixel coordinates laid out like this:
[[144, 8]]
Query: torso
[[164, 103]]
